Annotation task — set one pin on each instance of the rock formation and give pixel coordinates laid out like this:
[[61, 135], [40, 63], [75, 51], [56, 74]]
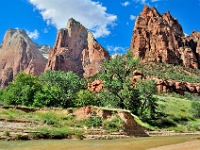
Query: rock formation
[[162, 85], [44, 49], [76, 50], [160, 38], [19, 54], [176, 86], [95, 86]]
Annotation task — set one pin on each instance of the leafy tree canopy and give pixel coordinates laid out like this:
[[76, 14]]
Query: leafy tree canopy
[[119, 87]]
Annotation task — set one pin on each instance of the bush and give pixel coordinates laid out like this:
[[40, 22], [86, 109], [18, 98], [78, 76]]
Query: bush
[[93, 122], [85, 98], [6, 133], [114, 125], [50, 119]]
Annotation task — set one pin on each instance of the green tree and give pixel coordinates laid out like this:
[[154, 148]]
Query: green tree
[[22, 90], [49, 96], [148, 103], [85, 98], [67, 84], [118, 72], [119, 88]]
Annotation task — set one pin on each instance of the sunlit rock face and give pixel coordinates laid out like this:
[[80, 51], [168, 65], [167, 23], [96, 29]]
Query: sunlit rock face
[[76, 50], [160, 38], [19, 53]]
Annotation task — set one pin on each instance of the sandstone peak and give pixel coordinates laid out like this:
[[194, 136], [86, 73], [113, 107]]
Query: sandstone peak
[[19, 54], [76, 49], [44, 49], [160, 38]]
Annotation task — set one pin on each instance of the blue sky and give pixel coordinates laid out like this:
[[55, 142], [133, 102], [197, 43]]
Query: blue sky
[[111, 21]]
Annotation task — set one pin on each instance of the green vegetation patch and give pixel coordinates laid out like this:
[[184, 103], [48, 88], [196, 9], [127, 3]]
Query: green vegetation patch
[[169, 71], [175, 114]]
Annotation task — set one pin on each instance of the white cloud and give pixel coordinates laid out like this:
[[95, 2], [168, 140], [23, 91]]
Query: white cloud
[[48, 21], [154, 1], [143, 2], [132, 17], [125, 4], [33, 35], [116, 49], [140, 1], [91, 14]]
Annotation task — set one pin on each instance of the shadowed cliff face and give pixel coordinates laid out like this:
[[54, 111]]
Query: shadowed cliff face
[[76, 50], [160, 38], [19, 54]]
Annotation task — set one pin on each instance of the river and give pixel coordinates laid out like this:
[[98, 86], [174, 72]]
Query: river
[[119, 144]]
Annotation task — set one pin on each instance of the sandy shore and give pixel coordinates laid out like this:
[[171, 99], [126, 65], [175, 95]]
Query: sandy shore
[[191, 145]]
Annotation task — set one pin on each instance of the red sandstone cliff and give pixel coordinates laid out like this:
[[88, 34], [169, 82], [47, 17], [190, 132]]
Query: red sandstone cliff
[[160, 38], [76, 50], [19, 54]]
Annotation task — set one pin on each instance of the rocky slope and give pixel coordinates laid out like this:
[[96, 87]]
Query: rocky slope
[[19, 54], [160, 38], [77, 50]]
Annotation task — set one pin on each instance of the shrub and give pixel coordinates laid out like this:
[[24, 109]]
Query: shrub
[[114, 125], [85, 98], [6, 133], [50, 119], [18, 137], [93, 122]]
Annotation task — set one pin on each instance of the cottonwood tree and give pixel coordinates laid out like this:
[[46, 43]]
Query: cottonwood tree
[[119, 88], [66, 84], [22, 90]]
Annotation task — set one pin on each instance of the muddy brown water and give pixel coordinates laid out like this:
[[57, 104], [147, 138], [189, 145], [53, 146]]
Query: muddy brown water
[[119, 144]]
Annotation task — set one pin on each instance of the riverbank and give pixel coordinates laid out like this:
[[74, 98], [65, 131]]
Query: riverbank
[[23, 130], [88, 123]]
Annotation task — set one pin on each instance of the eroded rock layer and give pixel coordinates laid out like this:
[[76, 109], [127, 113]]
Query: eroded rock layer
[[76, 50], [160, 38], [19, 54]]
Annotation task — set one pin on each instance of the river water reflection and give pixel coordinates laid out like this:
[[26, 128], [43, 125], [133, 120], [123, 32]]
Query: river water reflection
[[119, 144]]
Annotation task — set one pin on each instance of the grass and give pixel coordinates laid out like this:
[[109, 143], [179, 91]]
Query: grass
[[144, 124], [114, 125], [175, 107], [175, 114], [52, 133]]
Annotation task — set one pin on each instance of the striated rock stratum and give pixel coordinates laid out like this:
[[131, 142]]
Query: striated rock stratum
[[160, 38], [76, 50], [19, 54]]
